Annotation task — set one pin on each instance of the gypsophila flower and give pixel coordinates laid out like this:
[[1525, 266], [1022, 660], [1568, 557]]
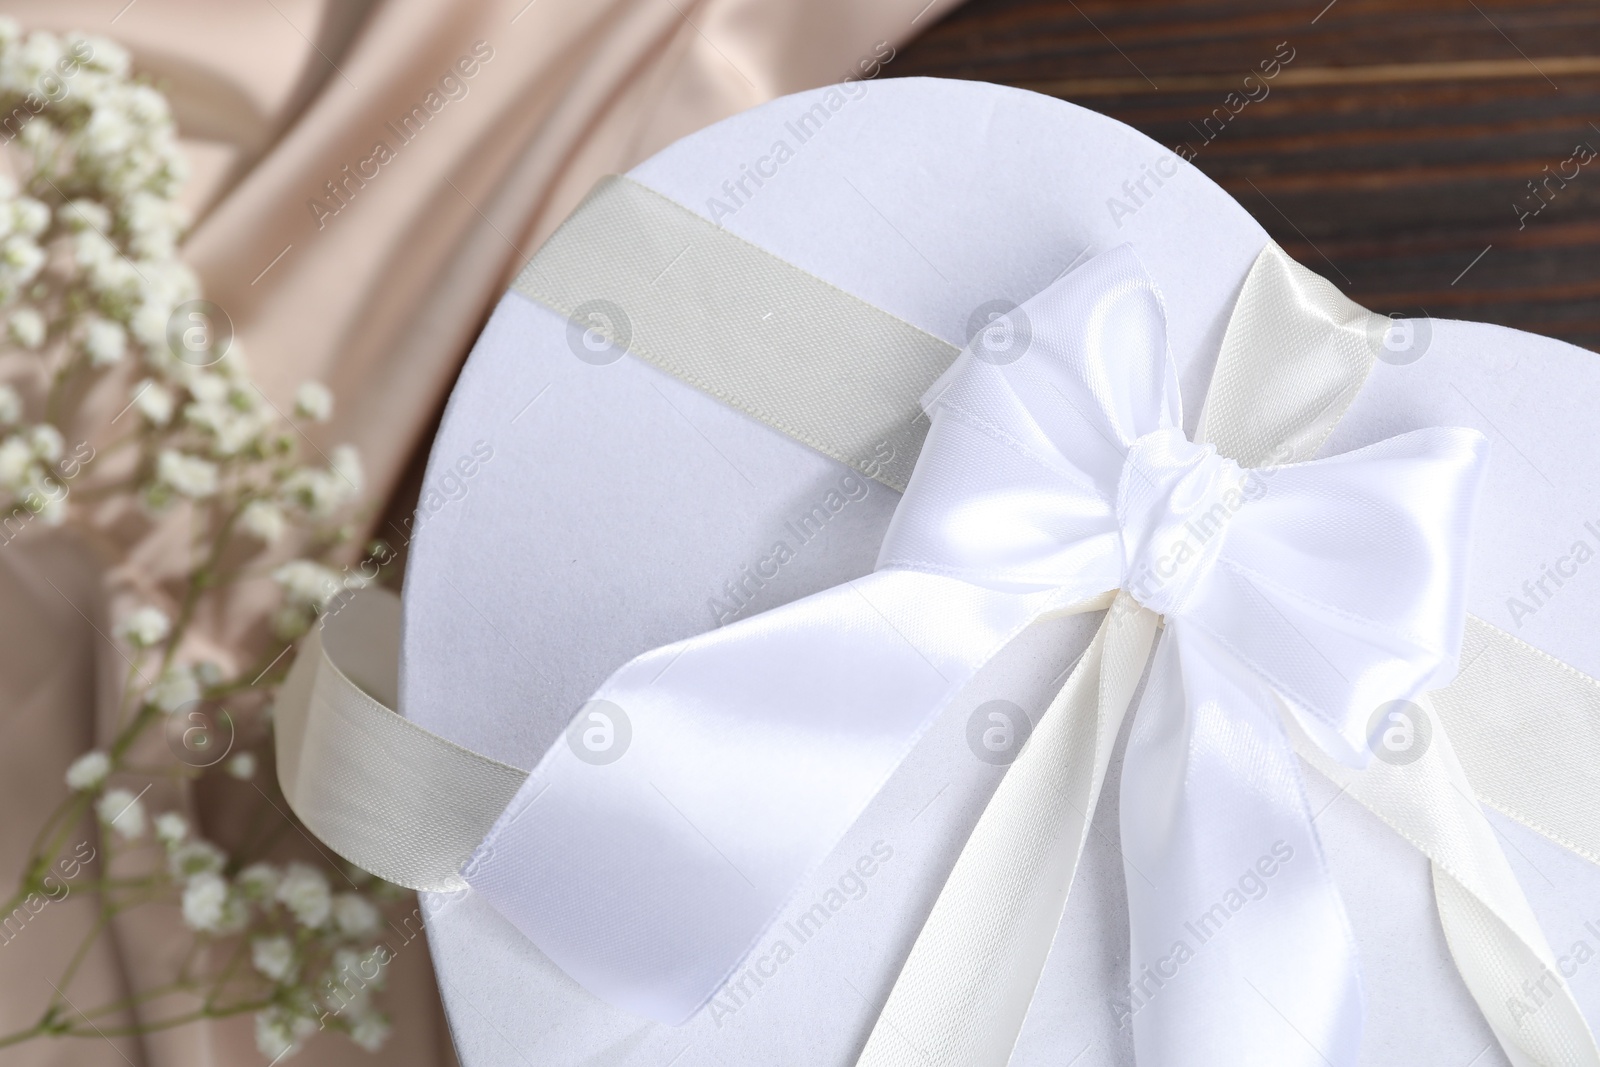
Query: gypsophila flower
[[368, 968], [274, 1038], [232, 418], [16, 462], [46, 442], [344, 991], [148, 324], [273, 957], [176, 687], [154, 402], [258, 882], [171, 828], [355, 916], [104, 342], [10, 406], [29, 216], [193, 858], [145, 627], [243, 766], [205, 902], [46, 499], [370, 1031], [263, 520], [88, 771], [78, 215], [122, 812], [188, 475], [304, 891], [20, 262], [313, 401], [153, 224], [208, 388], [237, 433], [280, 1032], [345, 461], [102, 53], [308, 584], [290, 623], [319, 492], [39, 137], [26, 327]]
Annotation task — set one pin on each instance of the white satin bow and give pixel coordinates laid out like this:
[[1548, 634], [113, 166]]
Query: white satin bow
[[1322, 590]]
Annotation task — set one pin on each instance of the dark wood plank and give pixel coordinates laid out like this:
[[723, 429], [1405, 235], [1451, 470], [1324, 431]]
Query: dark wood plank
[[1403, 139]]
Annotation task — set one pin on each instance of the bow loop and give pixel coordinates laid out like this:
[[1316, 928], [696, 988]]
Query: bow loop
[[1019, 478], [1094, 376], [1341, 582]]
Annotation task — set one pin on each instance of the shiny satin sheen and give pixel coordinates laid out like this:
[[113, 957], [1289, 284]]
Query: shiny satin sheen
[[1316, 590]]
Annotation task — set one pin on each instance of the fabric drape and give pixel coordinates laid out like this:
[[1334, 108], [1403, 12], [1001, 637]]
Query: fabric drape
[[371, 271]]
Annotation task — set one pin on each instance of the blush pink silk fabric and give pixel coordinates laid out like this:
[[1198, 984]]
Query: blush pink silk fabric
[[380, 300]]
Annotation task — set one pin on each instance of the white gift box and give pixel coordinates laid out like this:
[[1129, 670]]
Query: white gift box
[[577, 513]]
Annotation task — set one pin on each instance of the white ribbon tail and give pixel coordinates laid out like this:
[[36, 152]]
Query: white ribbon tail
[[1241, 950], [981, 951]]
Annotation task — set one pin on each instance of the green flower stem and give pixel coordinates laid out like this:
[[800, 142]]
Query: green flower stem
[[188, 961], [137, 1029], [88, 941], [228, 969], [38, 1029], [134, 1000], [37, 866], [199, 582], [249, 677]]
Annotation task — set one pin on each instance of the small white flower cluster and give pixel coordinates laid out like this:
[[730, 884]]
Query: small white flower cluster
[[96, 199], [121, 811], [146, 627], [93, 296], [227, 436], [99, 172], [28, 456], [281, 1031], [308, 589], [177, 685], [329, 920], [88, 771], [290, 916]]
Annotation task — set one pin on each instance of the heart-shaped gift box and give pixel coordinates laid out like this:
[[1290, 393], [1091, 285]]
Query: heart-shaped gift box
[[588, 501]]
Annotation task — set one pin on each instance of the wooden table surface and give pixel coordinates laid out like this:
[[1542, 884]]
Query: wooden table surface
[[1432, 155]]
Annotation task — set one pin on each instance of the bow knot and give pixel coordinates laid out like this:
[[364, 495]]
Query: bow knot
[[1175, 500]]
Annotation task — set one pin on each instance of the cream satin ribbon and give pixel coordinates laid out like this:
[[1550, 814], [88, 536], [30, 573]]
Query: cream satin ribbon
[[384, 793], [411, 807]]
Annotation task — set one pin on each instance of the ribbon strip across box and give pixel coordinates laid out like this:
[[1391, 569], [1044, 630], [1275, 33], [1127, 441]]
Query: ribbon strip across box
[[693, 418]]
